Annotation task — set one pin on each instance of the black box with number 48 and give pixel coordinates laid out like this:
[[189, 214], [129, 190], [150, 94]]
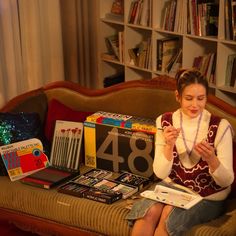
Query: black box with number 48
[[118, 142]]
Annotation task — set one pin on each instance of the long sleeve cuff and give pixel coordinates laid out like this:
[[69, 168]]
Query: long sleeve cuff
[[222, 176]]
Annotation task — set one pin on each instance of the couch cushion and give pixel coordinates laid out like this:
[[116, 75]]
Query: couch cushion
[[59, 111], [66, 209], [35, 103]]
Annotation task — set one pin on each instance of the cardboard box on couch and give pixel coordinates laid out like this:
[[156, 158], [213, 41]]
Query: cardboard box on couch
[[119, 143]]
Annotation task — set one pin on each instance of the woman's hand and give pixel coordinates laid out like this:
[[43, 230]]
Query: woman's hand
[[207, 153], [171, 134]]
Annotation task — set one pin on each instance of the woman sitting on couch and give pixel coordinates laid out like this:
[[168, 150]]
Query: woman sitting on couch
[[197, 154]]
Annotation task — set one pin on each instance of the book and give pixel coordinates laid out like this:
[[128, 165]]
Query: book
[[173, 60], [115, 17], [212, 16], [133, 11], [121, 45], [177, 64], [166, 49], [213, 71], [173, 196], [145, 14], [229, 68], [23, 158], [64, 157], [233, 74], [228, 22], [211, 63], [108, 56], [112, 42]]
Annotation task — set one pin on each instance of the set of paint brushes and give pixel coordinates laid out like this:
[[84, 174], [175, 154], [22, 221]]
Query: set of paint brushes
[[66, 144]]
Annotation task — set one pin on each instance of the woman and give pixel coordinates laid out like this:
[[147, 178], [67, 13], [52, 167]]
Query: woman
[[194, 150]]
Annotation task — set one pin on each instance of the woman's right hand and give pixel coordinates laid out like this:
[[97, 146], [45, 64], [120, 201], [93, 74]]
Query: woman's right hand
[[171, 134]]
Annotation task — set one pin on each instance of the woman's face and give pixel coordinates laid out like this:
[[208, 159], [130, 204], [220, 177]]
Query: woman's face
[[192, 100]]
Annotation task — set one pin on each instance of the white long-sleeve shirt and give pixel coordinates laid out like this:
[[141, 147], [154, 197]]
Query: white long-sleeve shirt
[[223, 175]]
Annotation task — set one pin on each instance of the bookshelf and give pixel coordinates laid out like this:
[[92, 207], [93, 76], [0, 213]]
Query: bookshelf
[[193, 44]]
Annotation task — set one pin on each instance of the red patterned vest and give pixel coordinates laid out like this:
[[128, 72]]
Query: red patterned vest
[[197, 177]]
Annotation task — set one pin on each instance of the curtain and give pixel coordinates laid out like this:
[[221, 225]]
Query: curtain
[[79, 25], [11, 70], [42, 41]]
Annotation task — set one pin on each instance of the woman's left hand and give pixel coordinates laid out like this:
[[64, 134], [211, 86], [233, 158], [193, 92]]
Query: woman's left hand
[[207, 152]]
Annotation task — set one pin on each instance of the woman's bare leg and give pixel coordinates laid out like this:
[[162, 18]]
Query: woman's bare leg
[[161, 228], [147, 225]]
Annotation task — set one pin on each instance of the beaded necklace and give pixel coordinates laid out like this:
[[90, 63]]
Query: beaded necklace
[[183, 134]]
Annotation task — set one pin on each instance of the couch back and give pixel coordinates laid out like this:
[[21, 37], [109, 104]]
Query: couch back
[[139, 98], [145, 98]]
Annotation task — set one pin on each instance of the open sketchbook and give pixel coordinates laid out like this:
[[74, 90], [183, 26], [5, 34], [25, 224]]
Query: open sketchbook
[[172, 196]]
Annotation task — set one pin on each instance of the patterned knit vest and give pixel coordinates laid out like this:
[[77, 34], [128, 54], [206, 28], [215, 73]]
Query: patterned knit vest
[[197, 177]]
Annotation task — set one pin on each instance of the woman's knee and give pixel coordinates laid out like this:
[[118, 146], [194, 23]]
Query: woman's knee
[[154, 213]]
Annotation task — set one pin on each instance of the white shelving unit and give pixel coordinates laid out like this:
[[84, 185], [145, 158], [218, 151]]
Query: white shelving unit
[[192, 46]]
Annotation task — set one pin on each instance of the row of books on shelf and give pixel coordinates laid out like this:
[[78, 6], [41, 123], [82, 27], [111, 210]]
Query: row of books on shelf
[[170, 15], [168, 58], [140, 12], [202, 17], [98, 185]]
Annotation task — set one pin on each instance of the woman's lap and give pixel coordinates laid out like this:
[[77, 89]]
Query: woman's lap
[[180, 219]]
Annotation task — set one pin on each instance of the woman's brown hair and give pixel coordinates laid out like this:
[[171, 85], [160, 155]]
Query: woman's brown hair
[[186, 77]]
